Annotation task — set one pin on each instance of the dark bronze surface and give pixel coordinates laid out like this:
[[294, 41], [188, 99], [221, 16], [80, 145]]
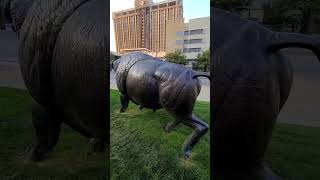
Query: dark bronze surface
[[153, 83], [251, 83], [63, 58]]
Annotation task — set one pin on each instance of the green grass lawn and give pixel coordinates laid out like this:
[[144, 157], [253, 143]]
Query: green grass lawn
[[71, 159], [140, 149], [294, 152]]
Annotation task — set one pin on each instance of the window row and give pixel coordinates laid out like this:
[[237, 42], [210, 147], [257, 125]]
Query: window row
[[163, 5], [188, 41], [193, 32], [191, 50]]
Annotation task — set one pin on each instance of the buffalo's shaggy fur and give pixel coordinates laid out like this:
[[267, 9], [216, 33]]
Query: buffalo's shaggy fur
[[63, 58]]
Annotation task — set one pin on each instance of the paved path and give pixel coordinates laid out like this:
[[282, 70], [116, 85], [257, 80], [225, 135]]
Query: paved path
[[303, 104], [8, 45], [10, 75]]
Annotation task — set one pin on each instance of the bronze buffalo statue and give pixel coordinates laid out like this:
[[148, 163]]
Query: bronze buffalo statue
[[251, 81], [153, 83], [63, 56]]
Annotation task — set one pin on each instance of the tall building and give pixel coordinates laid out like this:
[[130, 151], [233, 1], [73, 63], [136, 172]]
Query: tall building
[[143, 28], [191, 38]]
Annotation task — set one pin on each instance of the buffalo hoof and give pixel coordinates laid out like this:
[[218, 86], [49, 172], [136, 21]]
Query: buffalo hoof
[[186, 152], [98, 146], [122, 110], [167, 129]]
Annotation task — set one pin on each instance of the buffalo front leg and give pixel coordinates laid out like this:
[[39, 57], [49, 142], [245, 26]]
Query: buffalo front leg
[[200, 128], [124, 103], [47, 129]]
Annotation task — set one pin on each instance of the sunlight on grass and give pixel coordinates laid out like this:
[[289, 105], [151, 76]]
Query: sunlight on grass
[[141, 148]]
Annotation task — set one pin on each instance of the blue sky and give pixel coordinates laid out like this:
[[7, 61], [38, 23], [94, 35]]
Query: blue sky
[[196, 8], [191, 9]]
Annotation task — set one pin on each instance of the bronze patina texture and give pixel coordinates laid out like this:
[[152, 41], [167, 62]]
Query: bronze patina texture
[[153, 83], [250, 85], [63, 58]]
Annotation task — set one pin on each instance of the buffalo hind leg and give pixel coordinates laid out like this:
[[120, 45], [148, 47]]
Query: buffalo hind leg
[[200, 128], [99, 145], [171, 125], [101, 139], [47, 129], [124, 103]]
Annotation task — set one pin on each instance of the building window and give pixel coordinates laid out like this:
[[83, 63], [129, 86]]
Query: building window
[[194, 50], [195, 41], [179, 42], [186, 41], [186, 32], [172, 3], [155, 7], [179, 33], [163, 5], [185, 50], [196, 31]]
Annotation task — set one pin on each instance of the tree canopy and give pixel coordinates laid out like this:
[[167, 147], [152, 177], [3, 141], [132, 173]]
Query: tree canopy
[[176, 57], [202, 62], [295, 13], [2, 22], [232, 5]]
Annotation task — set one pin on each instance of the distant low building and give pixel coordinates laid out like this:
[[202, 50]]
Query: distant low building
[[191, 38]]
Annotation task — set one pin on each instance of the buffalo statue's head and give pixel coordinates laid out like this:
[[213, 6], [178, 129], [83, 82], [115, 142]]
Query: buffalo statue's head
[[14, 12], [115, 64], [129, 59]]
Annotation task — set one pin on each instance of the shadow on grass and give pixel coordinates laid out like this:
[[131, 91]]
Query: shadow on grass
[[72, 158]]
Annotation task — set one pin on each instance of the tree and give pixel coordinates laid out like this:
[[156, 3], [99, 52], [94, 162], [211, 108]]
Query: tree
[[232, 5], [296, 12], [176, 57], [2, 22], [112, 57], [203, 61]]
